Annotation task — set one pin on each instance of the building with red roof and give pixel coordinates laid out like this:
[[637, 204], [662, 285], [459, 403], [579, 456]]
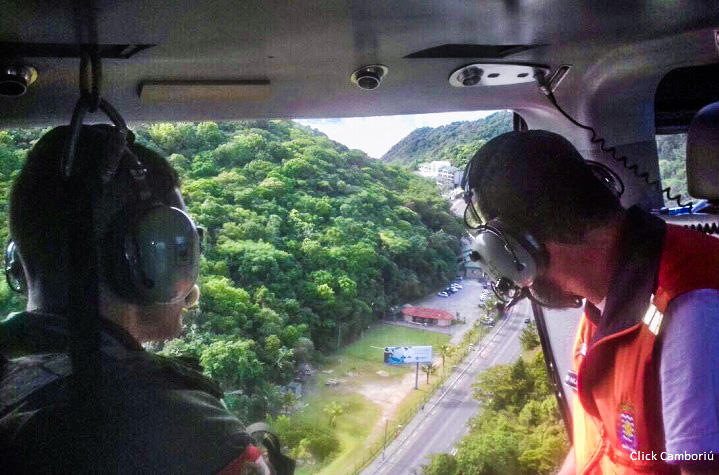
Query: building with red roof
[[427, 316]]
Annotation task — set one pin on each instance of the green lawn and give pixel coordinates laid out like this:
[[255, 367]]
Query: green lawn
[[362, 359]]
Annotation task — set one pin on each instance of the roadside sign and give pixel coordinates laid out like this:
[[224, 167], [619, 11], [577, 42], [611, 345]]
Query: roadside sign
[[407, 354]]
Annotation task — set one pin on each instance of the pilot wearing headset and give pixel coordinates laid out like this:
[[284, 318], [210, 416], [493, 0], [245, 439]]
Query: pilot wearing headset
[[157, 415], [645, 366]]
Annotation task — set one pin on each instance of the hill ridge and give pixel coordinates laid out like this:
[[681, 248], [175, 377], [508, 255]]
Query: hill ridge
[[455, 142]]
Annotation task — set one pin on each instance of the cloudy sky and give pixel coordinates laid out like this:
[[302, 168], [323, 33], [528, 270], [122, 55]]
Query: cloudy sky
[[376, 135]]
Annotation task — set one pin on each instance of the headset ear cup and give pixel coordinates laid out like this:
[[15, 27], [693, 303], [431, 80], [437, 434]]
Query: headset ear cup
[[162, 251], [528, 242], [14, 270], [506, 253]]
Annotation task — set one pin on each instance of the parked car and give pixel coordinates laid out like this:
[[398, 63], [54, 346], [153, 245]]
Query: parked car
[[443, 294], [527, 321]]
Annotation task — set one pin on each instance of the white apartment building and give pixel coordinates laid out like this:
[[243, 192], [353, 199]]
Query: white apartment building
[[431, 169]]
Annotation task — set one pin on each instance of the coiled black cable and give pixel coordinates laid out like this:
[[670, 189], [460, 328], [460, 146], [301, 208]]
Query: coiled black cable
[[595, 139]]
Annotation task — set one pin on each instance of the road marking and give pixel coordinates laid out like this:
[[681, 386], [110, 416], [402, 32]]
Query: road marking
[[492, 340]]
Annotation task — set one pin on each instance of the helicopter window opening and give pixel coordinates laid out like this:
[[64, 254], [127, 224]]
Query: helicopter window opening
[[672, 153], [310, 242], [681, 93]]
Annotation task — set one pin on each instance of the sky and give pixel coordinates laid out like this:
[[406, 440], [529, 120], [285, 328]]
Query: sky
[[376, 135]]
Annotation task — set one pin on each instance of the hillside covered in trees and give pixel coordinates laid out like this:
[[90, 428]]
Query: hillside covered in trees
[[307, 243], [456, 142]]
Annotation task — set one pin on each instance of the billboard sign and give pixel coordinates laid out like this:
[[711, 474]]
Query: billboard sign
[[407, 354]]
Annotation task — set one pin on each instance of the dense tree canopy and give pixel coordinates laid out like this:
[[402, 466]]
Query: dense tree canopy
[[305, 239]]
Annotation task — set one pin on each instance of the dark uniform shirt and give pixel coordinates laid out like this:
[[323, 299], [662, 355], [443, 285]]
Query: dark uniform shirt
[[156, 415]]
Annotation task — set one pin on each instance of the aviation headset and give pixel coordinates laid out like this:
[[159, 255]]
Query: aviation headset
[[150, 251], [513, 258]]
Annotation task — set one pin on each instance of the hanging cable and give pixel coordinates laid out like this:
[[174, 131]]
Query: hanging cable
[[595, 139], [88, 409]]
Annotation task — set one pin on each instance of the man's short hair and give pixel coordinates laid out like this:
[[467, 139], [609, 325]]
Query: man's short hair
[[536, 181], [42, 200]]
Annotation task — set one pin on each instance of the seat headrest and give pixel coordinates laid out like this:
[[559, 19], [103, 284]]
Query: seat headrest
[[703, 154]]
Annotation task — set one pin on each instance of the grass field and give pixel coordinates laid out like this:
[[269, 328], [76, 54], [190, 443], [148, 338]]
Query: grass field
[[356, 366]]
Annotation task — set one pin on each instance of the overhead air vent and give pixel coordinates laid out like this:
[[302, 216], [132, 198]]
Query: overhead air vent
[[471, 51], [369, 77], [496, 74]]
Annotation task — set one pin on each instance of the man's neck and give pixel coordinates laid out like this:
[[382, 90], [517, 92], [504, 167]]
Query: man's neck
[[587, 268]]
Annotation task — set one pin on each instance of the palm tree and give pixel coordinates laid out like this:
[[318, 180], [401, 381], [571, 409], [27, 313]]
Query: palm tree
[[445, 350], [334, 410], [289, 399], [429, 369]]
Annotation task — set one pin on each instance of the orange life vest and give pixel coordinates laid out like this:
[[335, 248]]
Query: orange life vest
[[617, 417]]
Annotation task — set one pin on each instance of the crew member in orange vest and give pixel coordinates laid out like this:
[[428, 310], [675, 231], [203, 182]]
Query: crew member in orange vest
[[645, 368]]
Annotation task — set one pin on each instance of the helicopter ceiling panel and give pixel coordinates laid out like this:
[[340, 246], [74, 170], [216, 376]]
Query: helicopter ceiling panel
[[181, 60]]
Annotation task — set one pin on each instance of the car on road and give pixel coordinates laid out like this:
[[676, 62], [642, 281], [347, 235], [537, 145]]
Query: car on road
[[456, 285], [443, 294]]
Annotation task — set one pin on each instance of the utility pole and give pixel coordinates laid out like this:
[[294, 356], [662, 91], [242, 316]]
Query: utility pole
[[385, 437], [339, 328]]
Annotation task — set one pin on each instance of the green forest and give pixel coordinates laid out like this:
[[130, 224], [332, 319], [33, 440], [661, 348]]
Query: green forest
[[307, 243], [456, 142]]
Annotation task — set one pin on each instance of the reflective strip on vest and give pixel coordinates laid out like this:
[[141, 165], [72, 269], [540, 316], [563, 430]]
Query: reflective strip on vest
[[653, 318]]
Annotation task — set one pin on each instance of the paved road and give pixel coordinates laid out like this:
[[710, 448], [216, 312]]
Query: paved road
[[442, 423]]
